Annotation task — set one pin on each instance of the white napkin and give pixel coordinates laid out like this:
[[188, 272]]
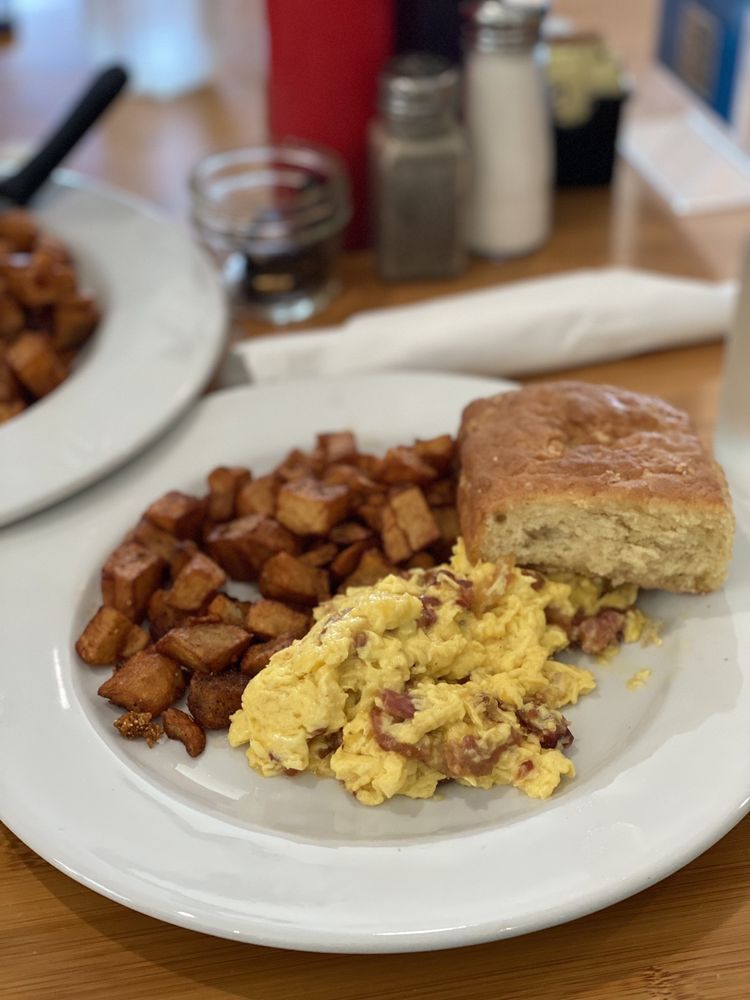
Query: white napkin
[[569, 319]]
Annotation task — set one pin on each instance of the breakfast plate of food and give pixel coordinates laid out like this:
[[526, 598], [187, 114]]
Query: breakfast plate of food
[[111, 322], [383, 663]]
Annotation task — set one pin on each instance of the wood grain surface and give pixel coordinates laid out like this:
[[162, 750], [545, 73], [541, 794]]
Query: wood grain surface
[[682, 939]]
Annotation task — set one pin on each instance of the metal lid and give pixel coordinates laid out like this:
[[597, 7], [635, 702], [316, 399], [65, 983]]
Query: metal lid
[[417, 85], [493, 25]]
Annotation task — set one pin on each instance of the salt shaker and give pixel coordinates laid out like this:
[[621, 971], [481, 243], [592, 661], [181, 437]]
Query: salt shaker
[[418, 168], [509, 128]]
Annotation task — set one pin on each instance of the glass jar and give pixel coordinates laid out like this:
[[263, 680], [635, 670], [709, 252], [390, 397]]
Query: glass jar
[[273, 216]]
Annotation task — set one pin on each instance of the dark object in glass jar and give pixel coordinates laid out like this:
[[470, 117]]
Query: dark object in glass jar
[[268, 278]]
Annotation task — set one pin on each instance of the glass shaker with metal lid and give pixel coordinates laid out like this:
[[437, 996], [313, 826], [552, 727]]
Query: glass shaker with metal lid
[[509, 127], [418, 165]]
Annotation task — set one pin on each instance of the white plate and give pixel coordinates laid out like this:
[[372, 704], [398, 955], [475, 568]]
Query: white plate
[[663, 772], [162, 330]]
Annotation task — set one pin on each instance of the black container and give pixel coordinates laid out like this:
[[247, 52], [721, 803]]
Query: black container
[[585, 154], [429, 26]]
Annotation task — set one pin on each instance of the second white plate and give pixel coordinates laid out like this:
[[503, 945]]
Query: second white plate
[[161, 333]]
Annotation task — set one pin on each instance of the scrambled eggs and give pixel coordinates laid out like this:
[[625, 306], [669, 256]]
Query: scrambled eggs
[[446, 673]]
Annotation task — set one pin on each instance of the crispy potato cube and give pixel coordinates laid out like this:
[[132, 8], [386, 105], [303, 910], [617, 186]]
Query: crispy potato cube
[[349, 532], [102, 640], [258, 497], [311, 507], [213, 698], [348, 559], [321, 555], [437, 452], [421, 560], [373, 566], [204, 644], [441, 493], [129, 577], [156, 540], [414, 517], [299, 465], [10, 390], [139, 725], [181, 555], [360, 485], [259, 655], [18, 227], [447, 521], [162, 616], [404, 465], [270, 619], [30, 279], [340, 446], [285, 578], [180, 726], [178, 513], [147, 682], [371, 511], [242, 546], [9, 410], [223, 485], [228, 610], [196, 583], [136, 640], [12, 317], [74, 318], [52, 247], [370, 465], [395, 542], [35, 363]]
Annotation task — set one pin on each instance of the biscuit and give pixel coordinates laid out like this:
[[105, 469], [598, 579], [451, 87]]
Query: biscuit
[[596, 480]]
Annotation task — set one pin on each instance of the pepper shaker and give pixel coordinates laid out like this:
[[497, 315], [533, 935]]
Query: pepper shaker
[[509, 128], [418, 168]]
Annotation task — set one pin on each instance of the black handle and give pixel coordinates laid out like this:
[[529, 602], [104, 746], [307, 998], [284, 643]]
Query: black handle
[[23, 185]]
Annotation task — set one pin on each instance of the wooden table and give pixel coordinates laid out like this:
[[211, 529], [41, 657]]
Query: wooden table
[[683, 939]]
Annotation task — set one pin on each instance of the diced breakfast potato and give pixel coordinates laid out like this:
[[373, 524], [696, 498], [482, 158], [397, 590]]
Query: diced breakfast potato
[[8, 410], [129, 578], [338, 447], [349, 532], [223, 486], [12, 317], [73, 321], [321, 555], [348, 559], [437, 452], [395, 542], [19, 228], [213, 698], [204, 645], [269, 619], [287, 579], [162, 616], [35, 363], [227, 610], [242, 546], [147, 682], [446, 519], [441, 493], [102, 641], [310, 507], [181, 555], [258, 655], [404, 465], [178, 513], [258, 497], [180, 726], [414, 517], [373, 566], [197, 582]]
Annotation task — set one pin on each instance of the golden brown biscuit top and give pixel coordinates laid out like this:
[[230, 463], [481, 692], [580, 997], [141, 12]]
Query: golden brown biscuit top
[[576, 440]]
